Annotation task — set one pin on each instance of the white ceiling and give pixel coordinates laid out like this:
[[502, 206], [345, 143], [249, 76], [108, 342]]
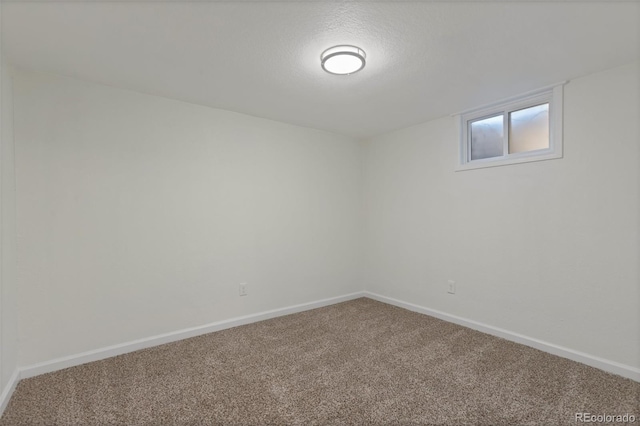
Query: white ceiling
[[424, 59]]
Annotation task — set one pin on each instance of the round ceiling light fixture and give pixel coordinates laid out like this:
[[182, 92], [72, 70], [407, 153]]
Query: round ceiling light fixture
[[343, 60]]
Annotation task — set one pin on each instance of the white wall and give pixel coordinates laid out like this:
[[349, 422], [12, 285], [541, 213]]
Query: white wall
[[546, 249], [9, 298], [8, 286], [139, 215], [2, 65]]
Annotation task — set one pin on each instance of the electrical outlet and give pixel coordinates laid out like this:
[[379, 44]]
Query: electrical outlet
[[452, 287], [243, 289]]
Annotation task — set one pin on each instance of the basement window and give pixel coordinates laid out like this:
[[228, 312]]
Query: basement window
[[518, 130]]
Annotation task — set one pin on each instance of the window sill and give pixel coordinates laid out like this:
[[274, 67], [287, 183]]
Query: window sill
[[490, 162]]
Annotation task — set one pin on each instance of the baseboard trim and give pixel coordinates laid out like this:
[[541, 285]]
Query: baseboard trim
[[110, 351], [5, 396], [584, 358], [123, 348]]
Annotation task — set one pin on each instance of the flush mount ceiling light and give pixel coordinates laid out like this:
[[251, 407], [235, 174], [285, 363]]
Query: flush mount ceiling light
[[343, 59]]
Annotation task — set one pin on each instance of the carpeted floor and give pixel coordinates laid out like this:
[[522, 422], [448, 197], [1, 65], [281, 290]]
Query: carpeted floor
[[360, 363]]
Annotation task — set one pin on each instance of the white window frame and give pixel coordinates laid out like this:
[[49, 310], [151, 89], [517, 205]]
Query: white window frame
[[550, 94]]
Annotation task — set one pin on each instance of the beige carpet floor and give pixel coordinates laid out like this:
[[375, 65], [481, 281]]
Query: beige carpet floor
[[360, 363]]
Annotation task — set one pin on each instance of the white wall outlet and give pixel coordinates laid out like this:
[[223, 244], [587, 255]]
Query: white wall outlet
[[452, 287], [243, 289]]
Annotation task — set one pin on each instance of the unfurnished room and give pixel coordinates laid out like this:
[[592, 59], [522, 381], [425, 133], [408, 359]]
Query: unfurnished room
[[319, 212]]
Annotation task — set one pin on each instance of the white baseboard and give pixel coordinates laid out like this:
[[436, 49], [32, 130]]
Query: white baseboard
[[110, 351], [5, 396], [584, 358], [123, 348]]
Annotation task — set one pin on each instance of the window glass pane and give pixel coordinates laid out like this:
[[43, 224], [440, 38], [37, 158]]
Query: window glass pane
[[529, 129], [487, 137]]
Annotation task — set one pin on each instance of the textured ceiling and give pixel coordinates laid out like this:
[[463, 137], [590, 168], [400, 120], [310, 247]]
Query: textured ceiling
[[424, 59]]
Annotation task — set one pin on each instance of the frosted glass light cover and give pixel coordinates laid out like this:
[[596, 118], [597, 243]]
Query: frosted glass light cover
[[529, 129], [487, 137], [343, 60]]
